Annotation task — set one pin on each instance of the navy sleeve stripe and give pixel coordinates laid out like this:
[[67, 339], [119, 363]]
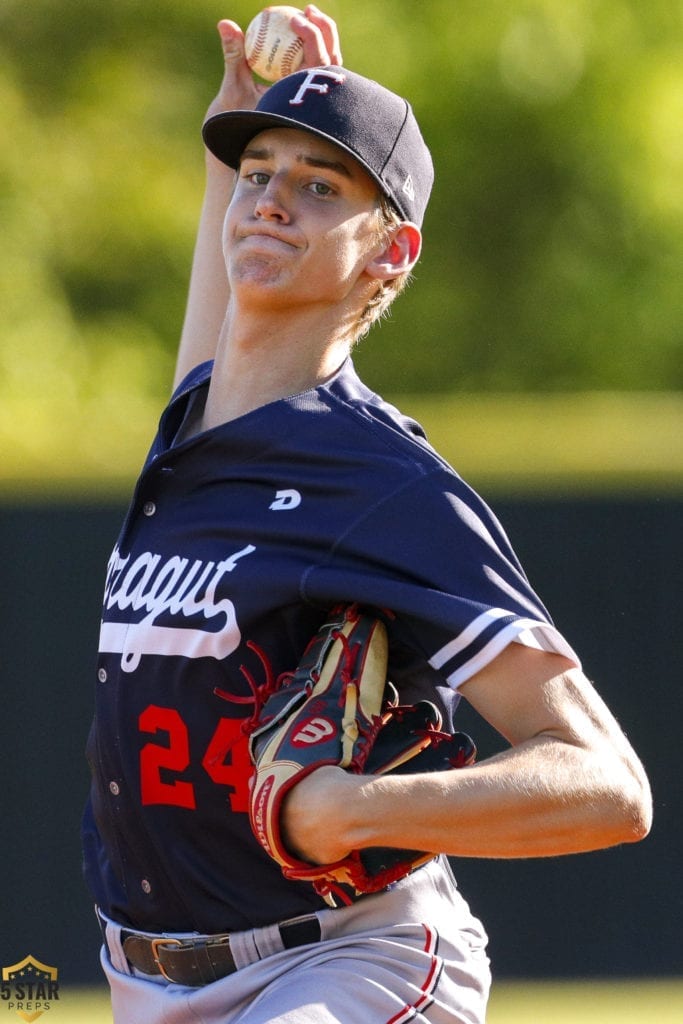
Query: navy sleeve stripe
[[487, 636]]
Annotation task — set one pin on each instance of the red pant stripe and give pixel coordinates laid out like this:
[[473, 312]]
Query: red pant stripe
[[431, 981]]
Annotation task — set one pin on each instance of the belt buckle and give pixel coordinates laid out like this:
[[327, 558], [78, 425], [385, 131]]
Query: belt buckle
[[156, 944]]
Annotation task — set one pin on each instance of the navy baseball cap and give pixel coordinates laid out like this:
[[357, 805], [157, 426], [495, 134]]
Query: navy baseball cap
[[371, 123]]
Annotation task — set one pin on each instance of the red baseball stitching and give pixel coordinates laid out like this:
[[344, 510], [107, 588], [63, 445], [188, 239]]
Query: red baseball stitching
[[261, 36], [290, 55]]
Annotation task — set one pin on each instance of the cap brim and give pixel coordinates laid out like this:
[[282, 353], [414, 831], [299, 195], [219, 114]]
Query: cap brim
[[227, 135]]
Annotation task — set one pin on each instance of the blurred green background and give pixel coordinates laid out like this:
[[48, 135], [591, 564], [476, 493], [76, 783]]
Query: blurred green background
[[553, 253]]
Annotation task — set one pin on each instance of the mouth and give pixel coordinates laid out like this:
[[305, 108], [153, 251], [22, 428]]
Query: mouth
[[269, 238]]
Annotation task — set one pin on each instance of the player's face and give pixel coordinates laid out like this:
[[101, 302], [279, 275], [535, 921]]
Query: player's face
[[302, 223]]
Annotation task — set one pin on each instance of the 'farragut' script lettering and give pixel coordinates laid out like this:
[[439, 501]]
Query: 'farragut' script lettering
[[178, 586]]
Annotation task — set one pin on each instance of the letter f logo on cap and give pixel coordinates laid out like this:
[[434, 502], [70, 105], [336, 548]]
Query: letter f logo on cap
[[309, 84]]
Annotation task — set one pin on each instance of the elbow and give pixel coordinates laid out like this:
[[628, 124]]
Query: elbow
[[636, 806], [621, 800], [640, 817], [619, 818]]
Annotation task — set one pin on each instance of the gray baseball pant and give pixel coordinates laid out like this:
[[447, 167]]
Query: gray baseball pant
[[413, 953]]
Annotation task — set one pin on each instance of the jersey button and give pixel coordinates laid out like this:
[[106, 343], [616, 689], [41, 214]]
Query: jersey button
[[145, 886], [102, 675], [114, 788], [149, 508]]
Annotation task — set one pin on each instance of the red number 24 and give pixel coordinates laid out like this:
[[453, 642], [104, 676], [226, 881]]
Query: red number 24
[[173, 757]]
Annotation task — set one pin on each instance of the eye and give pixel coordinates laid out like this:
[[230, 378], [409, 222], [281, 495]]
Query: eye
[[257, 177], [320, 188]]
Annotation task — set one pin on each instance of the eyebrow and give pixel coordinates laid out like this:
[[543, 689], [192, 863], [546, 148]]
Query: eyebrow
[[316, 162]]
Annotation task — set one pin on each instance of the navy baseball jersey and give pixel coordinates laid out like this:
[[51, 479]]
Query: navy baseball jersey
[[236, 544]]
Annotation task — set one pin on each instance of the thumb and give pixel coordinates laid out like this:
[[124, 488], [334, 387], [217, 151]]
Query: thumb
[[232, 41], [237, 89]]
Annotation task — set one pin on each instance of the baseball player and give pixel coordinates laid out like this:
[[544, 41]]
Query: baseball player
[[278, 486]]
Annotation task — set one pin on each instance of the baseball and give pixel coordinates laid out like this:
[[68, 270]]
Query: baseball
[[272, 48]]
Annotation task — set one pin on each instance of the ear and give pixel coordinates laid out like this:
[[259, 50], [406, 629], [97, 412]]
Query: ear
[[400, 255]]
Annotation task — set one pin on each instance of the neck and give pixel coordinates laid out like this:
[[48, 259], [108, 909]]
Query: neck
[[263, 356]]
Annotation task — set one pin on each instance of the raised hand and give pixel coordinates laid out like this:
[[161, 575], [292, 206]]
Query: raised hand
[[239, 90]]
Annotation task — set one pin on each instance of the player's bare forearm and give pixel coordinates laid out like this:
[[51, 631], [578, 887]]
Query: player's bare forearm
[[543, 799], [209, 290], [573, 784]]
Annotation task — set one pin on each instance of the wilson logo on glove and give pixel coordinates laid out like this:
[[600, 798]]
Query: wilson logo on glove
[[315, 730]]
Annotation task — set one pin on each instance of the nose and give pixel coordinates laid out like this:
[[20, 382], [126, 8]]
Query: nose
[[270, 204]]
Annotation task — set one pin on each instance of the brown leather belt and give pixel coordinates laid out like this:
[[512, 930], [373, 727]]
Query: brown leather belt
[[202, 960]]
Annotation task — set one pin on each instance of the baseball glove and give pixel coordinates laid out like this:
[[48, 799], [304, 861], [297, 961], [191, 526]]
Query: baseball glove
[[337, 708]]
